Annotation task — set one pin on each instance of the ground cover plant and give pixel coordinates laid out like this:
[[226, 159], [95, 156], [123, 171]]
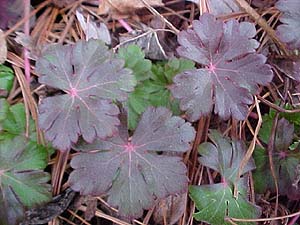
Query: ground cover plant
[[150, 112]]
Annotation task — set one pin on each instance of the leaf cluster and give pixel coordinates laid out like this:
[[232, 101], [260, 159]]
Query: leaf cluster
[[132, 170], [154, 81], [123, 114]]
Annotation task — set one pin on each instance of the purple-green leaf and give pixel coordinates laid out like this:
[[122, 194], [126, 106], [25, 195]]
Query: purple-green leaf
[[216, 201], [289, 31], [224, 156], [286, 162], [231, 69], [130, 170], [23, 184], [91, 78]]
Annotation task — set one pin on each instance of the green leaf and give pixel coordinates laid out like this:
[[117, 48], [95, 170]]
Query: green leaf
[[138, 100], [14, 121], [216, 202], [176, 66], [291, 117], [154, 91], [262, 175], [162, 77], [135, 60], [22, 181], [265, 130], [4, 107], [23, 184], [6, 80]]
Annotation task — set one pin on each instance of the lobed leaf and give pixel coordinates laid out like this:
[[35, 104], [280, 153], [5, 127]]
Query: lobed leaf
[[91, 79], [289, 31], [130, 170], [15, 120], [285, 161], [23, 183], [154, 91], [224, 157], [232, 70], [216, 202], [137, 102], [158, 85], [135, 60]]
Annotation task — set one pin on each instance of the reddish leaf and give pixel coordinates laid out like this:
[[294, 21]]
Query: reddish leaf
[[289, 31], [10, 12], [232, 68], [87, 73], [221, 7], [263, 3], [129, 170]]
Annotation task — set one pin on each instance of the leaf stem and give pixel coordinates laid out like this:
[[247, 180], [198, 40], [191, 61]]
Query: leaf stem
[[27, 33]]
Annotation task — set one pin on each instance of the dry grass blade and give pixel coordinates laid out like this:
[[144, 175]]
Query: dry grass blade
[[155, 12], [30, 104], [250, 149], [263, 219], [110, 218]]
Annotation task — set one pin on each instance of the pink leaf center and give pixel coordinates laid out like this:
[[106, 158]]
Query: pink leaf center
[[224, 182], [283, 154], [129, 147], [211, 67], [73, 92]]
